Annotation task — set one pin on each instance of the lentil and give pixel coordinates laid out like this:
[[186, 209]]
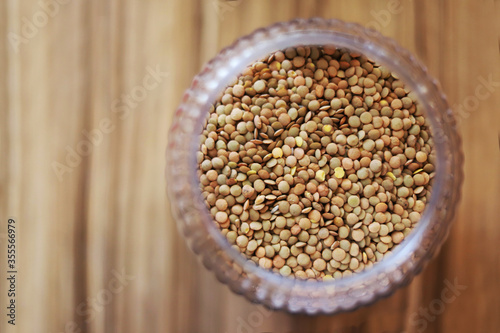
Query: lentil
[[316, 162]]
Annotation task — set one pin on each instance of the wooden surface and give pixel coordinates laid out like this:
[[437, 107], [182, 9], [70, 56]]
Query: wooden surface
[[107, 214]]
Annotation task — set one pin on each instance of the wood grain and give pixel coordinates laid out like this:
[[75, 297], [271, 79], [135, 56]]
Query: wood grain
[[107, 214]]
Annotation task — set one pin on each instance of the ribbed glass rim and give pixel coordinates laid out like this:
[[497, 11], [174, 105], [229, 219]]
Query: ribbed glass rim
[[231, 61]]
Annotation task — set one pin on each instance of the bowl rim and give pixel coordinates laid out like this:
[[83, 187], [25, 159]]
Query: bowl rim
[[321, 32]]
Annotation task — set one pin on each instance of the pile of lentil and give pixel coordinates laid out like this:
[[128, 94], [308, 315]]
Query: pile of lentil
[[316, 162]]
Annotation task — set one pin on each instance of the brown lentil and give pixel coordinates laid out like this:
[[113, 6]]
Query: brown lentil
[[316, 162]]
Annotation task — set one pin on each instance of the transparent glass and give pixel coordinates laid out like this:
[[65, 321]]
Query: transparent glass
[[265, 287]]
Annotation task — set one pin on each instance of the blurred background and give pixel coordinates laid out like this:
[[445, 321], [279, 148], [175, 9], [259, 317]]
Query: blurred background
[[87, 93]]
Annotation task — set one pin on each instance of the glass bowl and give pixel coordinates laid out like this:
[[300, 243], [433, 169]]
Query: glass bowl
[[263, 286]]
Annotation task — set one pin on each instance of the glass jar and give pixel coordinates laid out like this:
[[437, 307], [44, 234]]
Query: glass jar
[[271, 289]]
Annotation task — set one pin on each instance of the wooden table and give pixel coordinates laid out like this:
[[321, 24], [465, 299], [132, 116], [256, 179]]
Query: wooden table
[[98, 250]]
